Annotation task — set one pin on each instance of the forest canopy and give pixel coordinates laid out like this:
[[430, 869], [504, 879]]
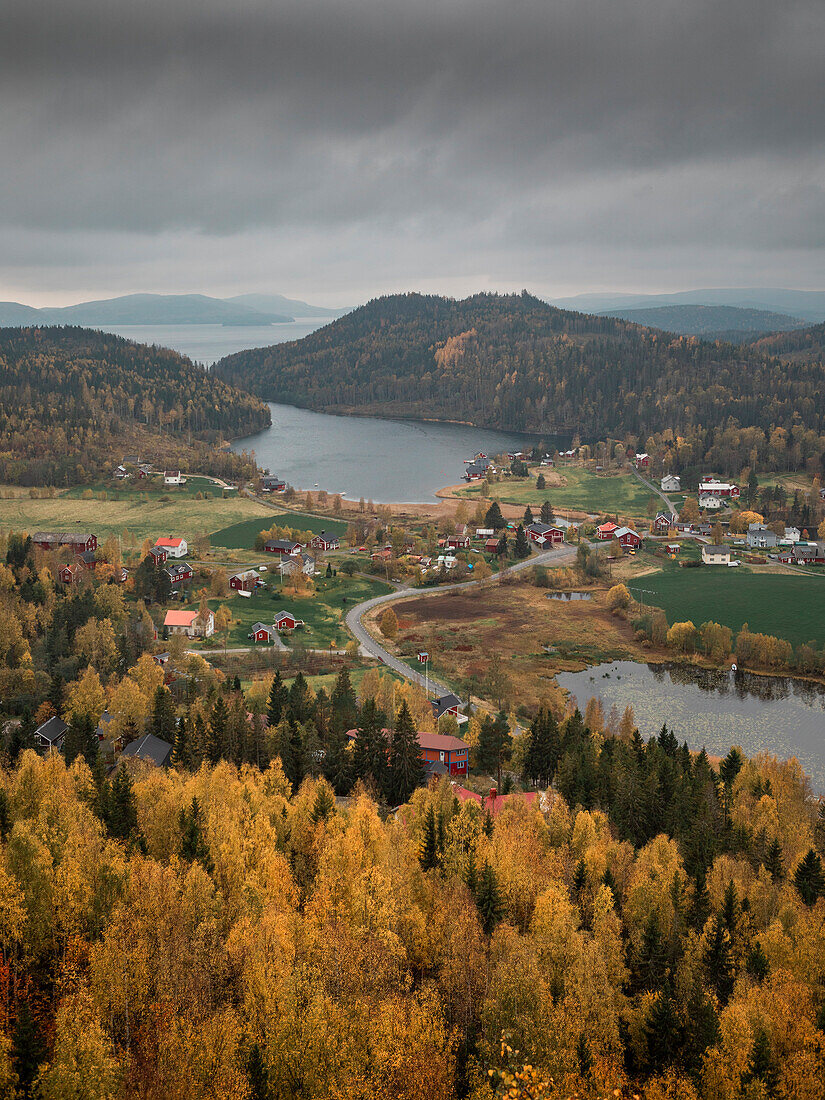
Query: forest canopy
[[72, 401]]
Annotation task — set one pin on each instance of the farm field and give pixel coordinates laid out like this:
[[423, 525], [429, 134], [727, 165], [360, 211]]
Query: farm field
[[583, 489], [323, 613], [116, 490], [144, 516], [789, 606], [241, 536]]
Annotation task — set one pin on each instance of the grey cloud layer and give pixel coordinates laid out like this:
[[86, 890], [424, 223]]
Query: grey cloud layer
[[498, 128]]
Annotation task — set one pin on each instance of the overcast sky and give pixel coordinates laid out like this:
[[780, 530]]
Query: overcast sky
[[338, 149]]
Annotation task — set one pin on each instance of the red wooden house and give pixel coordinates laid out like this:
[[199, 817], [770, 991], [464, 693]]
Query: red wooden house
[[285, 620], [247, 581], [442, 755], [606, 531], [180, 572], [70, 574], [629, 538], [544, 534], [325, 542], [262, 633], [457, 542], [158, 555]]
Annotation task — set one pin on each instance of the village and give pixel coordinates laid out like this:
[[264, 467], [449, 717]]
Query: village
[[295, 595]]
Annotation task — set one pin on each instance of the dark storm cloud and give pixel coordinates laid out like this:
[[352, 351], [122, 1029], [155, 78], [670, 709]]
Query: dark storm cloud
[[497, 129]]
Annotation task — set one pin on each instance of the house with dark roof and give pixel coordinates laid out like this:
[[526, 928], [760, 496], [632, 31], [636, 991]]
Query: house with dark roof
[[663, 522], [544, 534], [51, 734], [325, 541], [246, 581], [300, 563], [270, 484], [447, 704], [78, 541], [180, 572], [150, 749], [262, 633], [284, 547]]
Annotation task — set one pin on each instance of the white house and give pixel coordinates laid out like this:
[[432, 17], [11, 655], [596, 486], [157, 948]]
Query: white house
[[716, 555], [190, 624], [173, 477], [175, 548], [671, 483], [710, 502], [792, 534]]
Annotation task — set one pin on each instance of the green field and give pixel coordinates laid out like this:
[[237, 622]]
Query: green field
[[584, 489], [118, 490], [144, 515], [241, 536], [788, 606], [322, 613]]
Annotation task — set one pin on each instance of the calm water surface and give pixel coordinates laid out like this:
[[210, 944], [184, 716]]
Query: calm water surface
[[208, 343], [761, 713], [382, 460]]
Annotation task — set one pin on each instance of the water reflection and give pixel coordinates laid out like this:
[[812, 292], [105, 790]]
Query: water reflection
[[715, 708], [569, 596]]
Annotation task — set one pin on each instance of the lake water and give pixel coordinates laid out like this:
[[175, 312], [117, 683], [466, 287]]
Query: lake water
[[371, 457], [775, 714], [208, 343]]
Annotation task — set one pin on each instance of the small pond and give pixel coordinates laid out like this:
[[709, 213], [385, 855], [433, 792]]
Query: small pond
[[715, 709]]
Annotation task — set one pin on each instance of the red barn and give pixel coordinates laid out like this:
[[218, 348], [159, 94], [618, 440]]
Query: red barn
[[54, 540]]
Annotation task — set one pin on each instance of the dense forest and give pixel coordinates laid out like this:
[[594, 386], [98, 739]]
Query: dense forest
[[287, 912], [514, 362], [806, 345], [73, 401]]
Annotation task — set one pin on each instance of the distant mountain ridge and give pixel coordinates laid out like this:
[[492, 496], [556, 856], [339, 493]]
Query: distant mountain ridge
[[809, 305], [733, 323], [166, 309]]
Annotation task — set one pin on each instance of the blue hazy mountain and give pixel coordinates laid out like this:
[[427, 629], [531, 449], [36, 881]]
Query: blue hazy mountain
[[732, 323], [806, 304], [277, 303]]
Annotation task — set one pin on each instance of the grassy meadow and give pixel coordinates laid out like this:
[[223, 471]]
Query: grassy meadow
[[323, 613], [242, 535], [583, 489]]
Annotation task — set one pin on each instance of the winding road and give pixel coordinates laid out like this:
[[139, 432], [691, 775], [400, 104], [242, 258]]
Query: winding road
[[562, 555]]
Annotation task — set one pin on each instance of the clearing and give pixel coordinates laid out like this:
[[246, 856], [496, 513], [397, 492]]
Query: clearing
[[583, 489], [241, 536], [322, 613]]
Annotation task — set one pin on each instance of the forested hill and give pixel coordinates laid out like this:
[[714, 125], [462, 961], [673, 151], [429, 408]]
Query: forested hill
[[805, 345], [73, 401], [516, 363]]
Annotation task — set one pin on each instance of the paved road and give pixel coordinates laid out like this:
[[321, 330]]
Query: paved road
[[562, 555], [650, 485]]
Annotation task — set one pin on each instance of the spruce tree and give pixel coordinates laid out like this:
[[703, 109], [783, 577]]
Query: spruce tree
[[162, 723], [757, 963], [730, 908], [218, 727], [257, 1075], [81, 740], [343, 701], [370, 750], [547, 514], [181, 746], [277, 700], [528, 516], [406, 758], [700, 903], [5, 819], [501, 546], [28, 1050], [718, 960], [428, 854], [324, 805], [522, 547], [488, 899], [541, 482], [192, 842], [471, 873], [493, 518], [650, 966], [580, 878], [583, 1056], [122, 819], [662, 1032], [338, 761], [762, 1065], [809, 879]]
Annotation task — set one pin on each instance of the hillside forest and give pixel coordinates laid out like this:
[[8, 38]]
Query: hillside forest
[[515, 363], [73, 401]]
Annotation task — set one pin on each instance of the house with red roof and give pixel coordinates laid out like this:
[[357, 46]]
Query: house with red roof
[[493, 802], [189, 623], [175, 548], [606, 531], [443, 755]]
